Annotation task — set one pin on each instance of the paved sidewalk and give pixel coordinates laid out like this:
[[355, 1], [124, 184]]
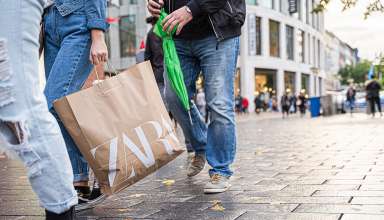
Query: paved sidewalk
[[297, 169]]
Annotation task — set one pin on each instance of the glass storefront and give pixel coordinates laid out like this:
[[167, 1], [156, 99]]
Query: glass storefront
[[265, 81]]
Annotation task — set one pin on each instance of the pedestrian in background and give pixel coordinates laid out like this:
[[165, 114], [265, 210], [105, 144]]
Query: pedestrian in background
[[258, 104], [238, 102], [293, 101], [27, 128], [244, 105], [302, 103], [373, 96], [154, 53], [207, 41], [285, 104], [274, 104], [351, 97], [73, 44]]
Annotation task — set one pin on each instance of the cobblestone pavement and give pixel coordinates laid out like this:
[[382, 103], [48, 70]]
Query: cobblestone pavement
[[297, 169]]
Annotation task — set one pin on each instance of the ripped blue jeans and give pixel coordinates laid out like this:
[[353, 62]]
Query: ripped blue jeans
[[27, 129]]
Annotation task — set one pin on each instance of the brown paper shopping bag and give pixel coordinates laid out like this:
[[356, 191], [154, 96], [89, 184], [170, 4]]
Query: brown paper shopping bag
[[121, 127]]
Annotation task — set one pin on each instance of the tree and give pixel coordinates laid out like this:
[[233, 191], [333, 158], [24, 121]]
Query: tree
[[356, 73], [372, 6]]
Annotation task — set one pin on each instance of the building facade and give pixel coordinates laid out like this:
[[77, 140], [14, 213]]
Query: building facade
[[128, 29], [281, 51], [338, 54]]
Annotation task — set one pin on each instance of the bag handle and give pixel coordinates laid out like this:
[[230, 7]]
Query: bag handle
[[110, 67]]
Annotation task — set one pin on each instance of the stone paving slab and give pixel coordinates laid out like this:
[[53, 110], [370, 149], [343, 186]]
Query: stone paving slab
[[296, 169], [337, 208], [361, 217], [352, 193], [291, 216], [368, 200]]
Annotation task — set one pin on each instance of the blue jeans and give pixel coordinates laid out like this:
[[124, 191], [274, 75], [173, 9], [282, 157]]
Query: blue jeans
[[218, 66], [67, 66], [36, 140]]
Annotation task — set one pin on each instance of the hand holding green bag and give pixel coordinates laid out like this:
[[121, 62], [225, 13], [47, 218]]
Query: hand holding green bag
[[172, 62]]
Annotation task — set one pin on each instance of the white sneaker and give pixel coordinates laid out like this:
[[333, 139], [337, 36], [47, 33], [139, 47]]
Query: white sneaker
[[217, 184]]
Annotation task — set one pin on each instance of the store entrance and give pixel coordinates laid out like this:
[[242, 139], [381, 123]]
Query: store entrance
[[265, 88]]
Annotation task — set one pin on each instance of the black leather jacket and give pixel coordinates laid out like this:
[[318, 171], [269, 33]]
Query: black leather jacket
[[223, 18]]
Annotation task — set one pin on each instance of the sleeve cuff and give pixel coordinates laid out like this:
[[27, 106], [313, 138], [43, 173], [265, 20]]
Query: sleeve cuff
[[100, 24], [195, 8]]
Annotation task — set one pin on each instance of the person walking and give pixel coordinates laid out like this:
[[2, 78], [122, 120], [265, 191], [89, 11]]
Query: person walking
[[258, 104], [74, 43], [302, 104], [207, 41], [27, 128], [154, 53], [238, 102], [373, 96], [244, 105], [293, 103], [351, 97], [285, 104]]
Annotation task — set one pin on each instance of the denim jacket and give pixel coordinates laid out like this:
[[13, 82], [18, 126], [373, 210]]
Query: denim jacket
[[95, 11]]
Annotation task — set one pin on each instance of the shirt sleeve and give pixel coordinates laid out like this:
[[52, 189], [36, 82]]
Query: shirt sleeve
[[199, 7], [96, 14]]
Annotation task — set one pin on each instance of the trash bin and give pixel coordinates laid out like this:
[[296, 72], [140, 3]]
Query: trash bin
[[315, 106]]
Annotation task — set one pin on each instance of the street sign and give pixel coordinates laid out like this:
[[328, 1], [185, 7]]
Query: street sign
[[292, 6]]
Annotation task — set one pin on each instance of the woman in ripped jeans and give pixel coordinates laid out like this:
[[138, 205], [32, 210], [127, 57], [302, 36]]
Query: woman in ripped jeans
[[27, 128]]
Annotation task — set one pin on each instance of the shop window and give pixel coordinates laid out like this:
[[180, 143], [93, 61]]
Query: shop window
[[290, 42], [305, 83], [289, 82], [301, 45], [274, 38]]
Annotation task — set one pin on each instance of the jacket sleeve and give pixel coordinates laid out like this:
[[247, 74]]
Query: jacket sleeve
[[199, 7], [96, 14], [148, 51]]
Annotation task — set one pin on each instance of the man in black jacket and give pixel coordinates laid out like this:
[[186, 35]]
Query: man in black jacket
[[373, 96], [207, 41]]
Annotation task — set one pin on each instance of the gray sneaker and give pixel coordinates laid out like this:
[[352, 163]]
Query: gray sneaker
[[217, 184], [197, 165]]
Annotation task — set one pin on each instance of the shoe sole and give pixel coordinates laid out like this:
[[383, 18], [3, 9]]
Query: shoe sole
[[91, 204], [212, 191], [195, 173]]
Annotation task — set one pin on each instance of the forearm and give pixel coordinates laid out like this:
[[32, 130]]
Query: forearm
[[97, 35]]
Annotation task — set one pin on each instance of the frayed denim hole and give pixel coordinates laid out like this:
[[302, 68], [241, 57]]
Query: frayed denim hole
[[6, 96], [18, 134]]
